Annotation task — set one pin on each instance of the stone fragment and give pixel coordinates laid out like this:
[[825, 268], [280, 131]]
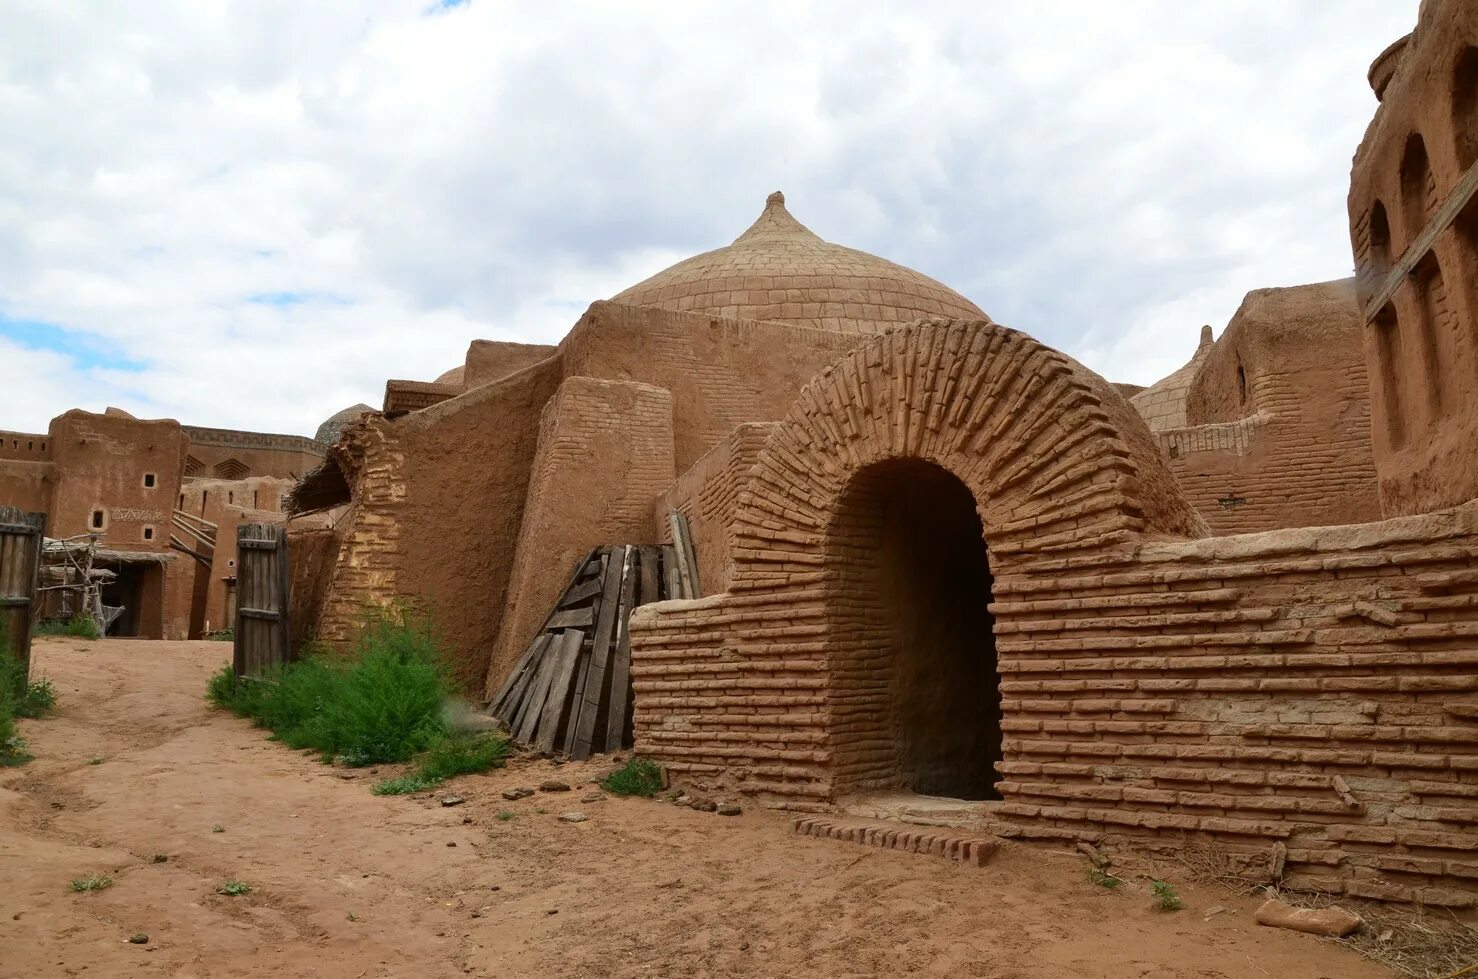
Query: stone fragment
[[572, 817], [452, 800], [139, 939], [704, 805], [591, 797], [1331, 922], [517, 793], [729, 809], [554, 785]]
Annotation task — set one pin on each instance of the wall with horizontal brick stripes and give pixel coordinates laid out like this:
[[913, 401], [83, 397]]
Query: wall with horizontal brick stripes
[[1313, 688]]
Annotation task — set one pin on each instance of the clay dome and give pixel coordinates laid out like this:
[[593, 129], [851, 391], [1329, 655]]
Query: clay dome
[[328, 433], [453, 376], [780, 270]]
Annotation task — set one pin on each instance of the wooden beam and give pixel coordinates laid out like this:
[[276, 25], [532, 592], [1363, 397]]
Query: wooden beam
[[1456, 203], [617, 568]]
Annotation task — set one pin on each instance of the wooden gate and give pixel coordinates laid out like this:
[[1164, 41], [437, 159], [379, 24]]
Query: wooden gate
[[20, 560], [261, 637]]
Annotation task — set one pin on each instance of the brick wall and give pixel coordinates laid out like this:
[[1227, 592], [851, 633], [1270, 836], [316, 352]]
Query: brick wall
[[1314, 688], [1278, 413], [708, 494], [615, 435]]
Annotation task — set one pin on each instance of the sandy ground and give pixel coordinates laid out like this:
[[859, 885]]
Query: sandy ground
[[348, 884]]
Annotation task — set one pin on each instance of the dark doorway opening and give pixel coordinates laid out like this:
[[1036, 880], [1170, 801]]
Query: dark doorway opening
[[917, 679], [127, 591]]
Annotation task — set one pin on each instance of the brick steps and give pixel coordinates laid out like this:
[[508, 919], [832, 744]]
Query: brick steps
[[972, 850]]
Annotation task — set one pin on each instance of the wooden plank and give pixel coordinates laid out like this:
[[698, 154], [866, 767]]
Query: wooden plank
[[581, 592], [556, 702], [620, 696], [600, 651], [519, 691], [575, 575], [1457, 202], [690, 557], [649, 591], [524, 663], [671, 581], [256, 544], [575, 618], [678, 524], [533, 706]]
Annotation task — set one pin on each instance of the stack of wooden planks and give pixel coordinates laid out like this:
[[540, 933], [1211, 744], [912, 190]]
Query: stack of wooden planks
[[571, 691]]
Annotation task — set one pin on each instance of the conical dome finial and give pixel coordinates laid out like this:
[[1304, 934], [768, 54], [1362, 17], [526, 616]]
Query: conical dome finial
[[775, 222]]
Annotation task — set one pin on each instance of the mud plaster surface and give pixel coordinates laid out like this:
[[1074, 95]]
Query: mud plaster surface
[[640, 889]]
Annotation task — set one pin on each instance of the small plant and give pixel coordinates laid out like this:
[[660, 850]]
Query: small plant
[[79, 626], [221, 635], [1165, 897], [639, 776], [352, 916], [404, 785], [1102, 878], [218, 828], [94, 761], [92, 882], [232, 887], [505, 814]]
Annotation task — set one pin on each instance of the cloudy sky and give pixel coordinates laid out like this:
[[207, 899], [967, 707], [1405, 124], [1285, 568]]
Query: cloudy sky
[[250, 214]]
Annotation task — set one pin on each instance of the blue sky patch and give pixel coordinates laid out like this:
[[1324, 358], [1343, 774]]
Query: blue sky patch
[[88, 351], [296, 299], [441, 6]]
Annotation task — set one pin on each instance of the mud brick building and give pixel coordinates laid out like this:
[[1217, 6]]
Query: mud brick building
[[146, 488], [939, 559]]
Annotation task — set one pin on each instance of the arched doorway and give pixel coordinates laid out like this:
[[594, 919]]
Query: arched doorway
[[916, 700]]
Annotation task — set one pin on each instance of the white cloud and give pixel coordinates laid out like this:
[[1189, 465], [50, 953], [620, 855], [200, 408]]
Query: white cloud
[[1105, 176]]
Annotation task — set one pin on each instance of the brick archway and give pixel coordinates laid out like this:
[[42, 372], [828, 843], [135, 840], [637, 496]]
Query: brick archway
[[1056, 459], [1056, 466]]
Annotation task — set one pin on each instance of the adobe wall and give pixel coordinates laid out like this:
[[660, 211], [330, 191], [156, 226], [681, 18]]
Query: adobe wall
[[721, 372], [1277, 416], [439, 499], [605, 452], [708, 494], [222, 453], [1423, 345], [1313, 688], [101, 463], [492, 360], [25, 447], [312, 550], [228, 504], [26, 485]]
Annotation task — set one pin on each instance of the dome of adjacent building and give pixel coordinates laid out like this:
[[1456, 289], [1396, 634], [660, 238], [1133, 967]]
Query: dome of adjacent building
[[1162, 404], [328, 433], [454, 376], [780, 270]]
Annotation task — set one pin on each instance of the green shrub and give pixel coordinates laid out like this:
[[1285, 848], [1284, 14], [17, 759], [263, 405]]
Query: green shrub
[[639, 776], [80, 626], [382, 704], [231, 887], [457, 754], [462, 754], [1165, 897]]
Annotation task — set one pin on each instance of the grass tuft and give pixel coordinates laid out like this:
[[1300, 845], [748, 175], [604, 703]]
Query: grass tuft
[[80, 626], [92, 882], [232, 887], [639, 776], [404, 785], [504, 815], [19, 697], [1104, 879]]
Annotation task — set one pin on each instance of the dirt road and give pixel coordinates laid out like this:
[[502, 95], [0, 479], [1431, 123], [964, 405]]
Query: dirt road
[[344, 883]]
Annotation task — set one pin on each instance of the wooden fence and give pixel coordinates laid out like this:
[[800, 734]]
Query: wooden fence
[[21, 535], [262, 585]]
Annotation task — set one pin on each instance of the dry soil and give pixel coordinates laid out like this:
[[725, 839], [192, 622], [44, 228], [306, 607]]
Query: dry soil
[[344, 883]]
